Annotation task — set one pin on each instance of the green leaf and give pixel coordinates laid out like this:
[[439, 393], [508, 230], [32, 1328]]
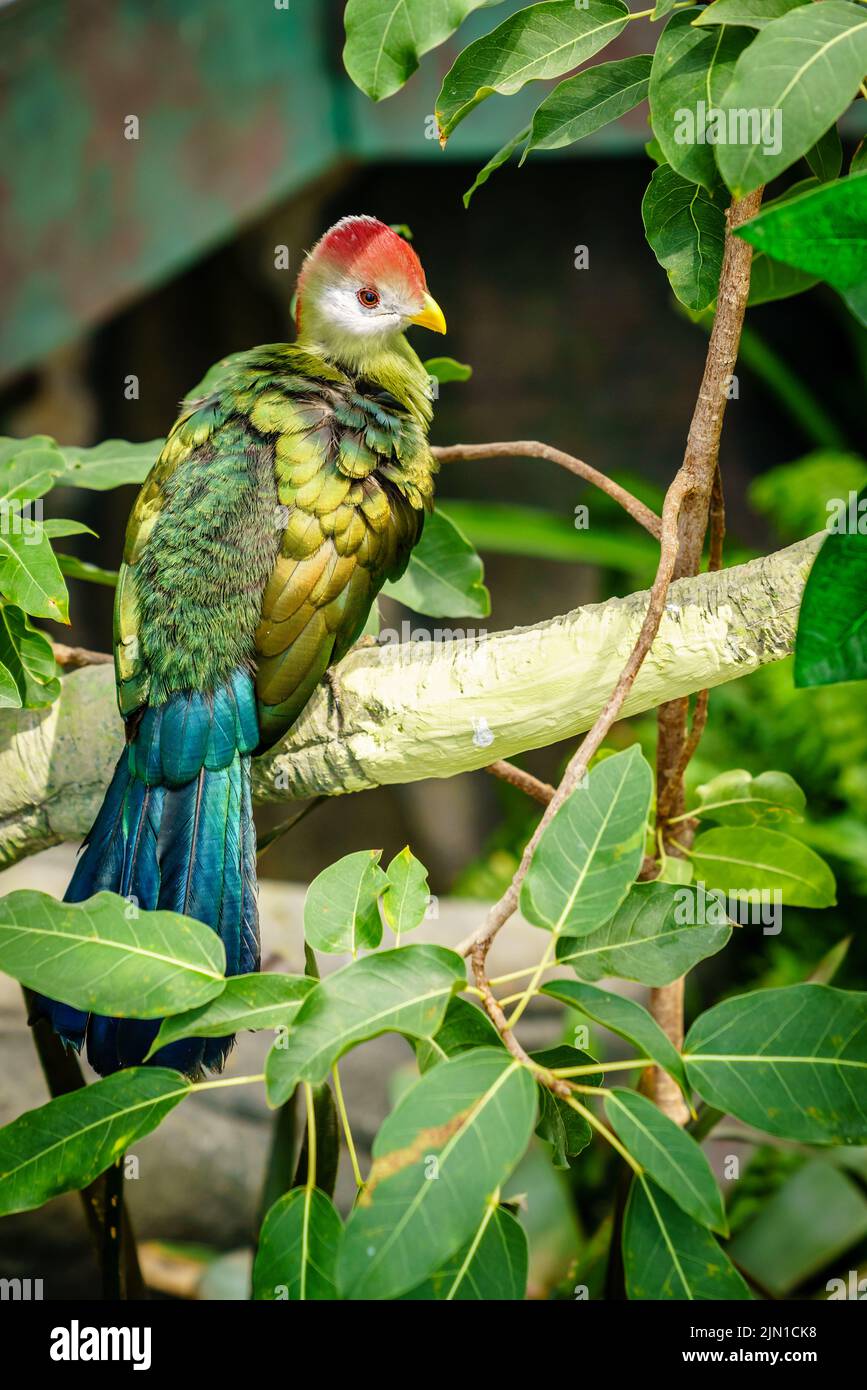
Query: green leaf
[[341, 911], [247, 1002], [28, 467], [326, 1124], [754, 13], [805, 69], [444, 575], [737, 798], [107, 956], [110, 464], [10, 696], [56, 528], [790, 1061], [822, 231], [646, 940], [831, 644], [588, 101], [502, 156], [64, 1145], [446, 369], [667, 1255], [538, 42], [407, 896], [297, 1253], [692, 69], [468, 1121], [742, 860], [591, 851], [685, 229], [662, 8], [859, 159], [826, 157], [463, 1027], [624, 1017], [490, 1267], [401, 991], [28, 657], [671, 1156], [386, 38], [73, 568], [29, 573], [559, 1125]]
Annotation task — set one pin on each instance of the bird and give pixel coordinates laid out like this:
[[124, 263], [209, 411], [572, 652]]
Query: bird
[[286, 494]]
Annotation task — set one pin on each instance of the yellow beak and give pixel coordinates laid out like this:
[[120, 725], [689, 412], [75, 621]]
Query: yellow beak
[[431, 316]]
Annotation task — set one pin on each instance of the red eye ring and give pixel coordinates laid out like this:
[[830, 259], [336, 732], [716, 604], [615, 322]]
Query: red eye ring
[[368, 297]]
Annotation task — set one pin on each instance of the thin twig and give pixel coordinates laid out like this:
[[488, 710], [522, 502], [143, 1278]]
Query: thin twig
[[524, 781], [73, 658], [532, 448], [675, 743]]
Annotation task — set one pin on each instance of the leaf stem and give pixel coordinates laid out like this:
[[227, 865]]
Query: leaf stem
[[347, 1132], [311, 1137], [605, 1132], [630, 1064]]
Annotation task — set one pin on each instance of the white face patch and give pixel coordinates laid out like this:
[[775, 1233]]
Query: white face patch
[[340, 308]]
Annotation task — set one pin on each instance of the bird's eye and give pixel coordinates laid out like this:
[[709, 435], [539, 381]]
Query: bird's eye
[[368, 297]]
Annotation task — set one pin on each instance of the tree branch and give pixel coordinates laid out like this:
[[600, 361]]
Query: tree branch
[[407, 712], [532, 448]]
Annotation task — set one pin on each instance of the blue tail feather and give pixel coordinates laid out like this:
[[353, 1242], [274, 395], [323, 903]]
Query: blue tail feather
[[182, 842]]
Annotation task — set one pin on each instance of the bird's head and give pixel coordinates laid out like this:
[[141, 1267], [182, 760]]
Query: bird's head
[[360, 287]]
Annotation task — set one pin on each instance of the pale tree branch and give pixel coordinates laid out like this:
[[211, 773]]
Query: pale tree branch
[[411, 712]]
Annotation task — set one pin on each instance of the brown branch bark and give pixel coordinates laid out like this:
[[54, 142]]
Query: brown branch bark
[[676, 744], [73, 658], [524, 781], [532, 448]]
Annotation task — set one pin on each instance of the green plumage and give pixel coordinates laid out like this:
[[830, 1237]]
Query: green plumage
[[283, 500]]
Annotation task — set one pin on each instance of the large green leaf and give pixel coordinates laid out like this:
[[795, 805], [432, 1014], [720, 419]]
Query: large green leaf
[[737, 798], [804, 69], [791, 1061], [341, 911], [667, 1255], [691, 70], [588, 101], [444, 575], [624, 1017], [450, 1143], [10, 695], [671, 1156], [742, 860], [591, 851], [109, 957], [407, 895], [67, 1143], [490, 1267], [28, 656], [386, 38], [297, 1252], [401, 991], [29, 574], [831, 644], [771, 280], [826, 157], [822, 231], [538, 42], [247, 1002], [647, 939], [754, 13], [496, 161], [110, 464], [685, 228]]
